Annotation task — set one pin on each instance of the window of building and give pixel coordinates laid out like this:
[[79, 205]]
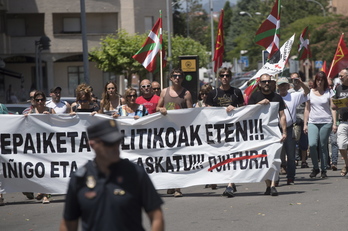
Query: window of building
[[16, 27], [108, 76], [96, 23], [25, 24], [148, 23], [71, 25], [75, 77]]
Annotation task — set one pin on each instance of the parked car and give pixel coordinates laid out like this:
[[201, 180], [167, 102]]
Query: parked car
[[70, 100], [17, 108], [239, 81]]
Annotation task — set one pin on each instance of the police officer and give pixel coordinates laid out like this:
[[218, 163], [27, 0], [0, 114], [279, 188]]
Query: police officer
[[109, 193]]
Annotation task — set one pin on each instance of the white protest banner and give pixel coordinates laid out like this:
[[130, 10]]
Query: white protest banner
[[274, 68], [184, 148]]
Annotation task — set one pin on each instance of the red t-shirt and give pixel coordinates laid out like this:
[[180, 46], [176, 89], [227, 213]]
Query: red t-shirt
[[150, 103]]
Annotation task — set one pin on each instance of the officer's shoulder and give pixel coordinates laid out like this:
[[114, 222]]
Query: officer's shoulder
[[81, 172]]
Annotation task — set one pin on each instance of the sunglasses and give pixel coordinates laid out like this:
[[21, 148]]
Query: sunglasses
[[146, 86], [204, 93], [156, 88], [265, 81], [177, 76], [38, 100], [131, 96], [225, 75]]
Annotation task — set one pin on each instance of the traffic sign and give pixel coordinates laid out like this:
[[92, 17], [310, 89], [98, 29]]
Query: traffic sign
[[318, 64], [245, 61]]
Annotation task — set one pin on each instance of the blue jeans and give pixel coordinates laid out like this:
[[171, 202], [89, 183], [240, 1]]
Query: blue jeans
[[334, 148], [289, 146], [321, 133]]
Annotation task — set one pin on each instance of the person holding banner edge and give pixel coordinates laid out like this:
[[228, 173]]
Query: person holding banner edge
[[265, 96], [174, 97], [229, 97]]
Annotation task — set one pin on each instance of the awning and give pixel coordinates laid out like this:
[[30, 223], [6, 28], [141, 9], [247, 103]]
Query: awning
[[4, 71]]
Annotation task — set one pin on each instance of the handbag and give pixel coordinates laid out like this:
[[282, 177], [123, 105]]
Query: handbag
[[296, 132], [296, 129]]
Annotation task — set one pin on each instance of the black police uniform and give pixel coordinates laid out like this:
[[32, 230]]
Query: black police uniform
[[110, 203]]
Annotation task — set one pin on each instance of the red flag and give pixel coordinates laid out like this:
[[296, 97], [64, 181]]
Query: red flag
[[149, 53], [340, 59], [268, 33], [304, 51], [219, 46], [324, 67], [253, 87]]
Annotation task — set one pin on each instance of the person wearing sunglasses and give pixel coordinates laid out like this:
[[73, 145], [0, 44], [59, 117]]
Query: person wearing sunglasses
[[111, 100], [131, 108], [175, 97], [39, 106], [264, 97], [83, 100], [156, 87], [203, 94], [230, 98], [147, 98]]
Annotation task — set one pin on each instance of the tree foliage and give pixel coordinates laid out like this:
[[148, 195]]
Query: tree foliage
[[243, 27], [325, 37], [116, 51]]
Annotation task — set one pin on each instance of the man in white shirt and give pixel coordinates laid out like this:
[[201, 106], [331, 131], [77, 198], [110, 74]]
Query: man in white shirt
[[291, 101], [59, 106]]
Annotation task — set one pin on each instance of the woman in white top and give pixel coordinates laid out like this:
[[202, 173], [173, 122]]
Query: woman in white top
[[319, 121]]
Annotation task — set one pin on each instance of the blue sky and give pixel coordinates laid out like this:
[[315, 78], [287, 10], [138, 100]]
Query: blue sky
[[217, 4]]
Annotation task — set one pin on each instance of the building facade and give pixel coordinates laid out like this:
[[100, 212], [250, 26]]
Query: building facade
[[41, 40], [339, 7]]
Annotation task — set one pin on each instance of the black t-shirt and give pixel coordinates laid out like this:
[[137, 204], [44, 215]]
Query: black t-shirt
[[221, 98], [342, 92], [110, 203], [272, 97]]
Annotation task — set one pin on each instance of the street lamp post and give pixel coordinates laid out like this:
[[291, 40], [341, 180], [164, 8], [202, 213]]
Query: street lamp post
[[322, 8], [42, 44]]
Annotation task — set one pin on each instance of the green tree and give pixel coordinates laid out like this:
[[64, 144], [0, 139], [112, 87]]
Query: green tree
[[187, 46], [116, 51], [115, 54], [179, 22], [243, 28], [324, 38], [314, 24], [198, 21]]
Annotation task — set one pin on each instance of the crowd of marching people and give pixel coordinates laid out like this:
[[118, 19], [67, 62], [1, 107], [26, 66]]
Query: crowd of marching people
[[311, 107]]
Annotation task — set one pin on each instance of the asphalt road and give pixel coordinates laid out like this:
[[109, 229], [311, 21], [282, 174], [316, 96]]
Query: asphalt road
[[310, 204]]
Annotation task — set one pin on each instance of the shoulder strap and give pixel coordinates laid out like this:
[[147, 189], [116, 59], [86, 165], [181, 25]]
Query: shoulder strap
[[216, 93]]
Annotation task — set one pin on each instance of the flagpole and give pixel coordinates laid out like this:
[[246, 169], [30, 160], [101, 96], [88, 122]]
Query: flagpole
[[212, 42], [333, 61], [161, 58]]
